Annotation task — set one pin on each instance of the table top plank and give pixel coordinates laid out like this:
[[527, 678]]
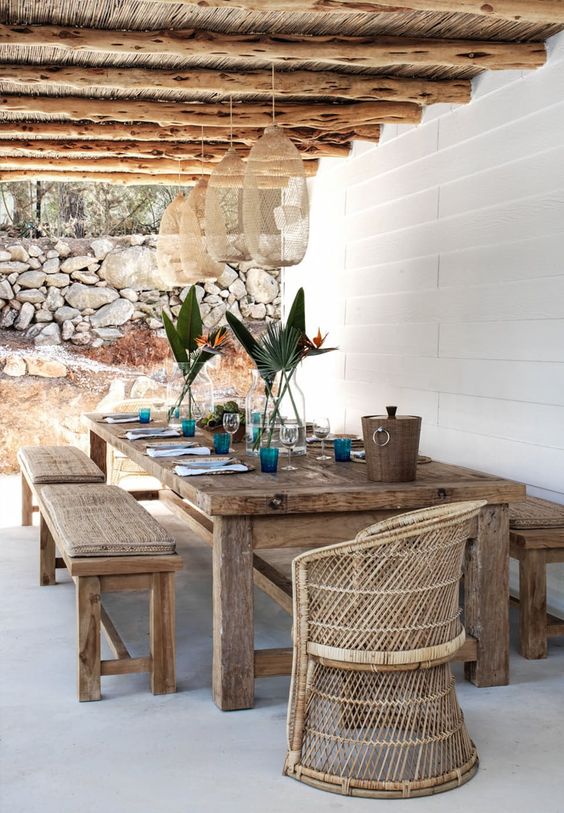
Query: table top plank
[[315, 487]]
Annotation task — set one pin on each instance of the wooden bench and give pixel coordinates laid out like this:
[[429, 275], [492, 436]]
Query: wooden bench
[[536, 539], [41, 465], [109, 543]]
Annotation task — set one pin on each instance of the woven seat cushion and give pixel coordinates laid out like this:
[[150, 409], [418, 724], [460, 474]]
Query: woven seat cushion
[[536, 513], [58, 464], [101, 520]]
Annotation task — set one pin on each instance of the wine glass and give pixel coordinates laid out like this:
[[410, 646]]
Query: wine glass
[[321, 428], [231, 422], [289, 433]]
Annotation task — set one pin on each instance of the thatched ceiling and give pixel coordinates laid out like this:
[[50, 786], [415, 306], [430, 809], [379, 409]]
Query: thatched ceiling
[[114, 86]]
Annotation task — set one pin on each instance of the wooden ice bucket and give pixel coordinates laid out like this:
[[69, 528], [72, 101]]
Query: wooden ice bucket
[[391, 444]]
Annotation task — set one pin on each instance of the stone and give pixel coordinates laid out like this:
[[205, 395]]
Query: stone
[[51, 254], [25, 316], [211, 288], [50, 334], [51, 266], [227, 277], [237, 288], [75, 264], [134, 267], [108, 334], [86, 277], [93, 268], [214, 317], [34, 251], [137, 239], [138, 315], [15, 366], [67, 330], [81, 339], [234, 309], [101, 247], [32, 295], [12, 278], [45, 368], [57, 280], [258, 311], [82, 327], [86, 296], [199, 293], [213, 299], [88, 312], [116, 313], [224, 294], [96, 343], [33, 331], [43, 315], [14, 302], [102, 284], [54, 299], [6, 291], [11, 267], [5, 256], [129, 293], [154, 324], [31, 279], [261, 286], [65, 313], [18, 253], [9, 316], [62, 249], [34, 262], [143, 386]]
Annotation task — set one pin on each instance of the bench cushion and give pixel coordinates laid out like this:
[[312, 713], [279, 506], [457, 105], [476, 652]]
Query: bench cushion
[[58, 464], [536, 513], [101, 520]]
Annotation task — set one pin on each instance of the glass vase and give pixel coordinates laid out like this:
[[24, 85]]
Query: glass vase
[[265, 411], [188, 402]]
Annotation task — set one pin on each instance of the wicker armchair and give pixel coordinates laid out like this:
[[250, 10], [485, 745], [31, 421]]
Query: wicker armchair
[[373, 709]]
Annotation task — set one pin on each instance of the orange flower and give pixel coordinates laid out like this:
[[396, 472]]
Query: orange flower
[[214, 342]]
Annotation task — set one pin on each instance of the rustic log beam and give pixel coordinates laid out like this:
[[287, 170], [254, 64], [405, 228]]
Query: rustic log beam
[[328, 117], [179, 151], [121, 178], [366, 52], [288, 83], [547, 11], [159, 166]]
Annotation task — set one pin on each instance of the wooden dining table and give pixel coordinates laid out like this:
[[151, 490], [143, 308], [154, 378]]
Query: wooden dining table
[[321, 503]]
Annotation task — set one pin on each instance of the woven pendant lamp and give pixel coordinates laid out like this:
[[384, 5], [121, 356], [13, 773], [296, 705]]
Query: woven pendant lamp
[[197, 264], [225, 236], [169, 263], [275, 202]]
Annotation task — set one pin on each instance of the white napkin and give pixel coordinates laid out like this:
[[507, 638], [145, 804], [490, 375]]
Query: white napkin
[[187, 471], [123, 417], [176, 451], [136, 434]]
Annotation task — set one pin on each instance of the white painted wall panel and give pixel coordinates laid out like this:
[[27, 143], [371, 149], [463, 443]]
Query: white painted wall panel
[[437, 264]]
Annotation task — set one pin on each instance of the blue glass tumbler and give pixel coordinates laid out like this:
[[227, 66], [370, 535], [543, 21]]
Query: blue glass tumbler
[[144, 415], [342, 448], [188, 427], [221, 442], [269, 460]]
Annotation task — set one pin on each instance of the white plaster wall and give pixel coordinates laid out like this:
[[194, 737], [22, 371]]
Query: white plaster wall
[[437, 263]]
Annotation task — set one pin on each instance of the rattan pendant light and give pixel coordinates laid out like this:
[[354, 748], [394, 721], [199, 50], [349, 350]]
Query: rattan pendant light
[[225, 235], [275, 200], [169, 263], [197, 264]]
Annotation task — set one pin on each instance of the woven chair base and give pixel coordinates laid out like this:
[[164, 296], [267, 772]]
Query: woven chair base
[[383, 734], [408, 790]]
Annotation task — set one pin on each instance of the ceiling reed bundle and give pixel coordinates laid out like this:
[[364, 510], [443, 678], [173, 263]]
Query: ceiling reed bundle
[[119, 91]]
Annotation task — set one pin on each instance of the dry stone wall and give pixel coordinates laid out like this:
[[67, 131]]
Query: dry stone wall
[[86, 292]]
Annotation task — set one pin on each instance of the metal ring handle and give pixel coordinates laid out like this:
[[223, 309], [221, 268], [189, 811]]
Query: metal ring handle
[[381, 430]]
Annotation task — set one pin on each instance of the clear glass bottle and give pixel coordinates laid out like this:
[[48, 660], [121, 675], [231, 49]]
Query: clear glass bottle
[[265, 411], [197, 400]]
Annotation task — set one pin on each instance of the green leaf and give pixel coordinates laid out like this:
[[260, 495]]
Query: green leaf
[[250, 344], [296, 317], [279, 349], [189, 324], [176, 345]]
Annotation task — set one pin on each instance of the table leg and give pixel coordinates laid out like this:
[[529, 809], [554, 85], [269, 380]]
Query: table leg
[[98, 451], [486, 602], [233, 621]]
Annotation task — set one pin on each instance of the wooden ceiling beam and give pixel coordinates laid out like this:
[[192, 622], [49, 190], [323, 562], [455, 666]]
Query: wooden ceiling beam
[[179, 151], [296, 83], [152, 166], [367, 52], [547, 11], [121, 178], [328, 117]]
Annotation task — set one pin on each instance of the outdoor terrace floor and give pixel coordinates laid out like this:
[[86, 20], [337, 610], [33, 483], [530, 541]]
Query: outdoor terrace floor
[[179, 753]]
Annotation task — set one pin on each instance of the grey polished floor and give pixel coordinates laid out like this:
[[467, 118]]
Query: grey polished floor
[[178, 753]]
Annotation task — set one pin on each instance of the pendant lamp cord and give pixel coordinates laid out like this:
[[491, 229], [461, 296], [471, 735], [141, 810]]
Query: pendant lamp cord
[[273, 102], [202, 154], [231, 121]]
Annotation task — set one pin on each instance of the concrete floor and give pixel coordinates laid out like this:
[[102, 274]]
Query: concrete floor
[[178, 753]]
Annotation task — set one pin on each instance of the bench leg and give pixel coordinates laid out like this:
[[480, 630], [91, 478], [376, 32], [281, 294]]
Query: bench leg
[[47, 554], [163, 634], [27, 502], [532, 599], [88, 637]]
